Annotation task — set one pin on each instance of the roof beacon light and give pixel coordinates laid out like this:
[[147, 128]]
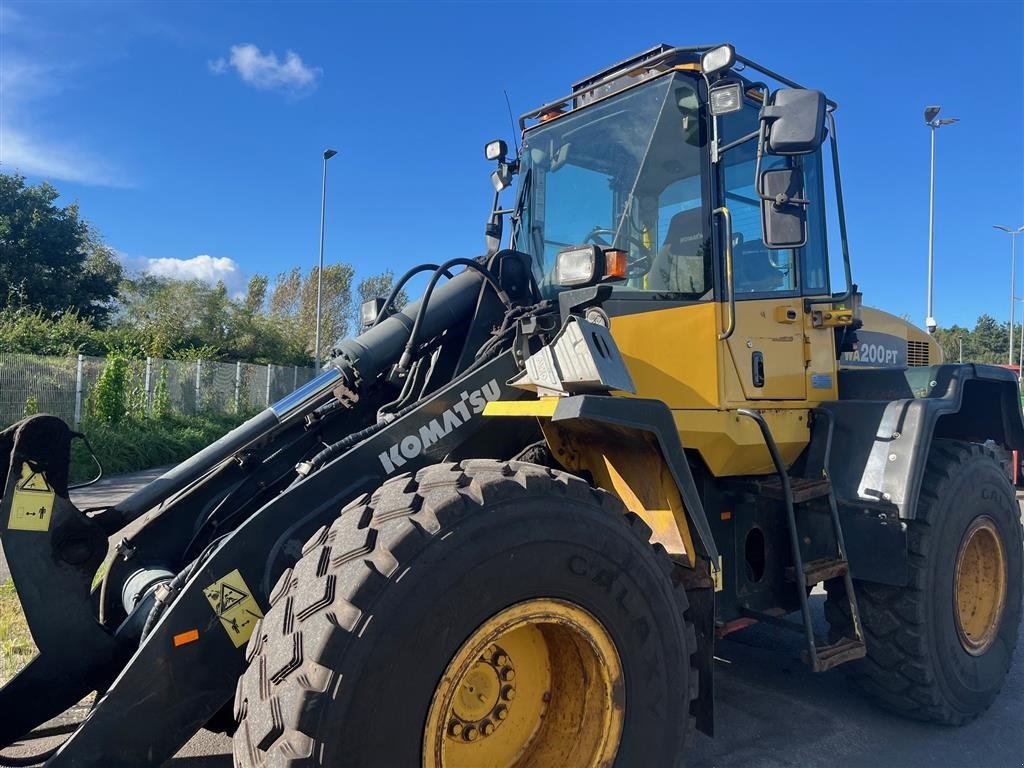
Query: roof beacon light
[[718, 59]]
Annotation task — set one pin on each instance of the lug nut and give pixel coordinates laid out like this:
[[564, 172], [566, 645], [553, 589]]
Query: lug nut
[[500, 659], [501, 712], [508, 693], [454, 728], [508, 674], [471, 734], [487, 728]]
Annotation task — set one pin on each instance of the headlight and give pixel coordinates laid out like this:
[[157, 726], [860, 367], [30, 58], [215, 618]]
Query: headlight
[[587, 264], [576, 265]]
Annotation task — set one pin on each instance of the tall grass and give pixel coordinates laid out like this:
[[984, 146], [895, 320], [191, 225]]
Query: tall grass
[[133, 445]]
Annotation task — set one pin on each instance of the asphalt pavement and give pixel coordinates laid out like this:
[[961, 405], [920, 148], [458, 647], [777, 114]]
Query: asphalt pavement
[[771, 711]]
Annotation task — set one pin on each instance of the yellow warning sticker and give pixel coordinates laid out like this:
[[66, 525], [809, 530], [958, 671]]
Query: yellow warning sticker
[[31, 502], [235, 606]]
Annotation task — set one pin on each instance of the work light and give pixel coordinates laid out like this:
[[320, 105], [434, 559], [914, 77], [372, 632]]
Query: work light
[[726, 99], [718, 59], [496, 150]]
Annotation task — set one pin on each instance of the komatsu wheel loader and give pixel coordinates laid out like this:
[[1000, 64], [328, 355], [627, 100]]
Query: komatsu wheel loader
[[506, 524]]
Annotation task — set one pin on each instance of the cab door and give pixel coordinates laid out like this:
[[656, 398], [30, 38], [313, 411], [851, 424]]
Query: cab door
[[764, 358]]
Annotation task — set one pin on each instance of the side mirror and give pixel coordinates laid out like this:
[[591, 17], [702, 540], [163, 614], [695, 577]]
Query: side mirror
[[795, 120], [783, 208]]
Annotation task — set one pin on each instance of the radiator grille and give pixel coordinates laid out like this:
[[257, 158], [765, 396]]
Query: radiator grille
[[917, 353]]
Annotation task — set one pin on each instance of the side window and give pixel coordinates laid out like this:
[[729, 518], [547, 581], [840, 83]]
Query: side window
[[814, 256], [755, 268]]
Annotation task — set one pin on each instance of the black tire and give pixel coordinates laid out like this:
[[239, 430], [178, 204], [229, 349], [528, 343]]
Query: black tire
[[344, 664], [916, 664]]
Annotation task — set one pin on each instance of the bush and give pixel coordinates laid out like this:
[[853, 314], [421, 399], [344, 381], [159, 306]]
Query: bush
[[109, 400]]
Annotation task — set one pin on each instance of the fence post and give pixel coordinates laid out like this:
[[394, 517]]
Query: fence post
[[295, 377], [238, 387], [149, 392], [199, 372], [78, 391], [269, 366]]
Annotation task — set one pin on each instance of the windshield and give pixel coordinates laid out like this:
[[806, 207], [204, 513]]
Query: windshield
[[625, 172]]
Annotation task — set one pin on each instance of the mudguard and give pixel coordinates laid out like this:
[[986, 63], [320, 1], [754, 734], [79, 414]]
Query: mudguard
[[885, 422]]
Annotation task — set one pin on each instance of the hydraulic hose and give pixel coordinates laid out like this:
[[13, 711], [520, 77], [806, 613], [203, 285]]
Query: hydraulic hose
[[410, 345], [400, 285]]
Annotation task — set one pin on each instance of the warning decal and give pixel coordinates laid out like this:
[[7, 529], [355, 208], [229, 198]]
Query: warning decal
[[31, 502], [235, 606]]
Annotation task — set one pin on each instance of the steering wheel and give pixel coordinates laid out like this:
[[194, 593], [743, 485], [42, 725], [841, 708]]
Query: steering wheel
[[594, 236]]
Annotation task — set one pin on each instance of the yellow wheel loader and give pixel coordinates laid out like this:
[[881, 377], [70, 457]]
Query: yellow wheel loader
[[506, 524]]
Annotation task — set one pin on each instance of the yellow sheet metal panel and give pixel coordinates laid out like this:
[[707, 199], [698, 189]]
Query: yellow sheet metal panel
[[672, 354], [629, 465], [889, 341], [759, 329], [822, 382], [732, 445], [545, 406]]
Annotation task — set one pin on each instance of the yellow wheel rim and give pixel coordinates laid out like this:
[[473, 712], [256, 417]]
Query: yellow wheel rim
[[539, 684], [980, 593]]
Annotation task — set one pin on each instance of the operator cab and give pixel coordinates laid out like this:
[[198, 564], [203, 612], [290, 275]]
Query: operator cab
[[627, 166]]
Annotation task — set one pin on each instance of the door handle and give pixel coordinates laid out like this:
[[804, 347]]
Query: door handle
[[757, 368]]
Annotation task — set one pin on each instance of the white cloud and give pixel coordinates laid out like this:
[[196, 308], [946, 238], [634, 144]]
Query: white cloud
[[209, 269], [23, 148], [35, 156], [266, 71]]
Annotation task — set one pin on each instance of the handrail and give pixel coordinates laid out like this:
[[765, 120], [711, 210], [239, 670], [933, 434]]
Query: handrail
[[727, 218]]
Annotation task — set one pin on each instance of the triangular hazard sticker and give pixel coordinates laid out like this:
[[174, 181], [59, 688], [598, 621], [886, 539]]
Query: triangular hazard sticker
[[229, 598], [32, 480]]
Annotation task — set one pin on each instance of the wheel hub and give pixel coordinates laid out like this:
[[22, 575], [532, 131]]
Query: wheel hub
[[980, 588], [482, 702], [539, 684]]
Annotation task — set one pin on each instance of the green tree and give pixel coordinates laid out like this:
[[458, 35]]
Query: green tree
[[375, 286], [293, 304], [50, 258]]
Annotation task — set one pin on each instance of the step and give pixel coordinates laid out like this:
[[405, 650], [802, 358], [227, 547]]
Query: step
[[804, 489], [829, 656], [822, 569]]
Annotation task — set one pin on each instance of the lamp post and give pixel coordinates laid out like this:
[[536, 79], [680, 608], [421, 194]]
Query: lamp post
[[1013, 279], [328, 154], [930, 115]]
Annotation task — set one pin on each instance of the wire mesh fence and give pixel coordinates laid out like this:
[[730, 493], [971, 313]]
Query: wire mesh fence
[[62, 386]]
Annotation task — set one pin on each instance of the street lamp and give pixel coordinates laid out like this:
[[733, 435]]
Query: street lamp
[[930, 119], [328, 154], [1013, 278]]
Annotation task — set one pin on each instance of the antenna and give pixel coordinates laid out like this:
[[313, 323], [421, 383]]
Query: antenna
[[515, 141]]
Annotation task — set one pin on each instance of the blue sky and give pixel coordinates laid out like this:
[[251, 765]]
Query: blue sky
[[181, 137]]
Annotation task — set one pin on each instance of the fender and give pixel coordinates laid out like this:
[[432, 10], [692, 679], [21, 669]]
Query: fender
[[621, 441], [885, 422]]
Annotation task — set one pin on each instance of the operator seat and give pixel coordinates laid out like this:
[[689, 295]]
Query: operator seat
[[679, 264]]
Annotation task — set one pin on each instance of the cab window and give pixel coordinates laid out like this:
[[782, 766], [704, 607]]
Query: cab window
[[757, 269]]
